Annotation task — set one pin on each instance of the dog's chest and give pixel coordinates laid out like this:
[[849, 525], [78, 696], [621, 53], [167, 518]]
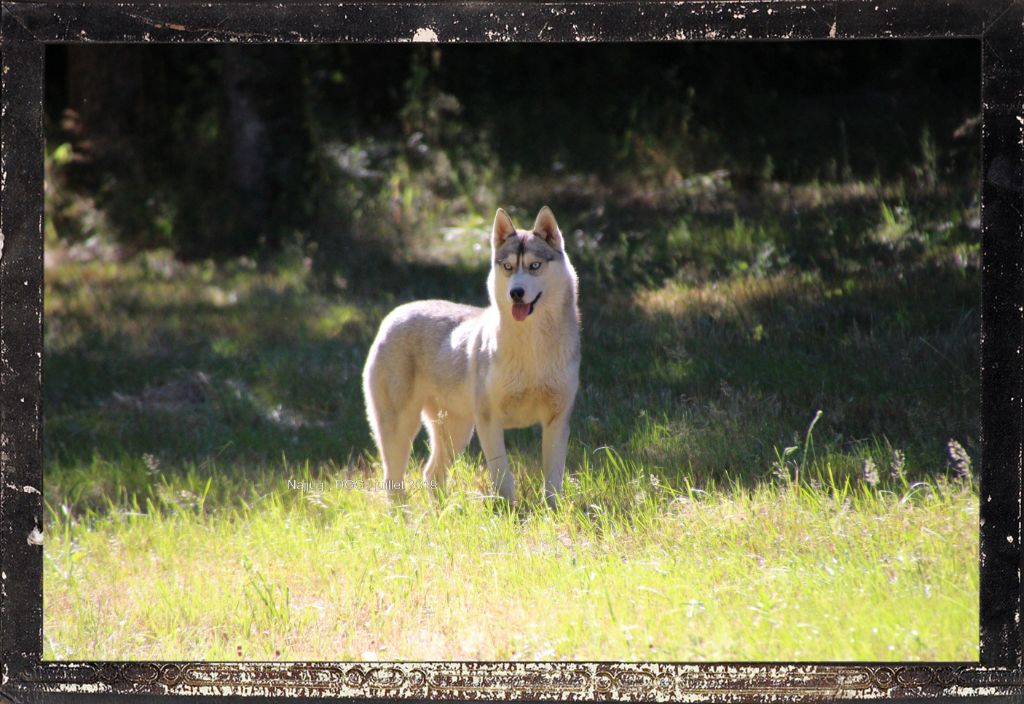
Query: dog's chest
[[527, 394]]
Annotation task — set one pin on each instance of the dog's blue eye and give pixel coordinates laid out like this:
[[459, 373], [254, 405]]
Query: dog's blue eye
[[508, 267], [535, 266]]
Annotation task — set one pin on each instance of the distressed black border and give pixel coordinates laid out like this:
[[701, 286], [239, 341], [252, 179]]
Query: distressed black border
[[25, 27]]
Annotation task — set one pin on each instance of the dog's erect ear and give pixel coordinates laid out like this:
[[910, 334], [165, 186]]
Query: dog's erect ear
[[502, 230], [545, 226]]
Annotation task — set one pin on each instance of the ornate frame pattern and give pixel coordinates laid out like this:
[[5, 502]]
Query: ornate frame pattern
[[26, 26]]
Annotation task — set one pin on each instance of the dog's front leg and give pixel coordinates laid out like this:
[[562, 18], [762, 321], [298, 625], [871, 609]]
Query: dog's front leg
[[492, 442], [554, 447]]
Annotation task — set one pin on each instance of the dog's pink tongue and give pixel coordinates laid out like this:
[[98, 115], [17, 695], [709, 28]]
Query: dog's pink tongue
[[520, 311]]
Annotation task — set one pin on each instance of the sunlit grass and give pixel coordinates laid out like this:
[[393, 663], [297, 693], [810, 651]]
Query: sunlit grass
[[630, 567]]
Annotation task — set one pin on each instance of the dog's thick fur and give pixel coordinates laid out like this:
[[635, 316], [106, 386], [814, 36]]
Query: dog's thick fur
[[454, 367]]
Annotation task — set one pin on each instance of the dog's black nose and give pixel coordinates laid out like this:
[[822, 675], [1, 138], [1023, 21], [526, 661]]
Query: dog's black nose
[[517, 294]]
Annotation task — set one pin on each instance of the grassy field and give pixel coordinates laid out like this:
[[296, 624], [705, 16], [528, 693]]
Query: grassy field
[[770, 458]]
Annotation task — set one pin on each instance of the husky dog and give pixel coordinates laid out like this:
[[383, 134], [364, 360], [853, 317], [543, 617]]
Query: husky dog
[[454, 367]]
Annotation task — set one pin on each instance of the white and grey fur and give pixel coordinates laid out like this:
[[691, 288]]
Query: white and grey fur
[[454, 367]]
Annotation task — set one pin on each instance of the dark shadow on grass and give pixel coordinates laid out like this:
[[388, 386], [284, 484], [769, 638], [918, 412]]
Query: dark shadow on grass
[[276, 385], [719, 381], [710, 381]]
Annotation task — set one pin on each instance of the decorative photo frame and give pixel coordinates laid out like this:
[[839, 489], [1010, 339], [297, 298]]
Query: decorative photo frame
[[26, 28]]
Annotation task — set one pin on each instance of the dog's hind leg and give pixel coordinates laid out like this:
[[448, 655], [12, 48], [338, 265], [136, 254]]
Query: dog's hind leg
[[396, 436], [393, 413], [449, 435]]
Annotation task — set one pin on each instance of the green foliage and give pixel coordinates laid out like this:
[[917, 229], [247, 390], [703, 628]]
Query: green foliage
[[214, 151]]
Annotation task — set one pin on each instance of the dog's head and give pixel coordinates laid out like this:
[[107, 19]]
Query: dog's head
[[530, 268]]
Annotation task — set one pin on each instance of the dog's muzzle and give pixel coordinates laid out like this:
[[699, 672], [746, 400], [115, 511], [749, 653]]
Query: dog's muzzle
[[521, 311]]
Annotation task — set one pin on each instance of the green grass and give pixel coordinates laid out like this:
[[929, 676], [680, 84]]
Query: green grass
[[707, 514], [629, 567]]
